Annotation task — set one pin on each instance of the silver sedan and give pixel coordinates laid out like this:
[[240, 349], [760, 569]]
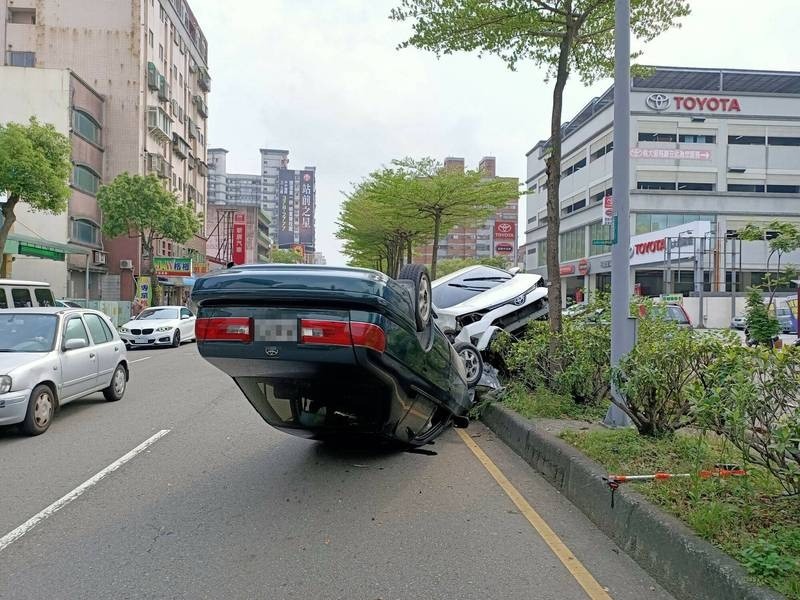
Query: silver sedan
[[51, 356]]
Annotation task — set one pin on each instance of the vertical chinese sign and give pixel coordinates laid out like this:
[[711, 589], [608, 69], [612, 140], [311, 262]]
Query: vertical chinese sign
[[239, 256], [286, 192], [306, 222], [143, 290]]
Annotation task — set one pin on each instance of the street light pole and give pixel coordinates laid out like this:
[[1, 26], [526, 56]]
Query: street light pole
[[622, 325]]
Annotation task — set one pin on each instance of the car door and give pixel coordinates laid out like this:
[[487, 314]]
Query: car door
[[187, 324], [108, 349], [79, 366]]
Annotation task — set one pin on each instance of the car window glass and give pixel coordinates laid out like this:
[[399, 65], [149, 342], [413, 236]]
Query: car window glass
[[3, 301], [95, 325], [676, 314], [75, 331], [21, 297], [159, 314], [44, 297], [107, 329], [185, 312]]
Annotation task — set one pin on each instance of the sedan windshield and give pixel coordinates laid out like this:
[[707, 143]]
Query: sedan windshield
[[159, 314], [27, 332]]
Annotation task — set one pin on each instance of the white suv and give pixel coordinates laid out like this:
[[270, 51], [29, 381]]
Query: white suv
[[25, 294]]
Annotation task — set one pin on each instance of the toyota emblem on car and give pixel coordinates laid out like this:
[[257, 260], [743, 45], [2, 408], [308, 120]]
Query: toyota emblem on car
[[659, 102]]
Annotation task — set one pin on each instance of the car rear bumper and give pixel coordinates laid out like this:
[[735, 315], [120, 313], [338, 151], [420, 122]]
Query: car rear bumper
[[13, 407]]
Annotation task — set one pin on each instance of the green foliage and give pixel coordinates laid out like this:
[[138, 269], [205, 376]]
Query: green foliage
[[782, 238], [542, 403], [287, 257], [754, 401], [451, 265], [764, 561], [660, 378], [140, 206], [34, 168], [761, 326]]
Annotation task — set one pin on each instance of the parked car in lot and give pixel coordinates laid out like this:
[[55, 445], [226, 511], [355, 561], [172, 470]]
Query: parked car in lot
[[52, 356], [15, 293], [739, 322], [326, 352], [160, 326]]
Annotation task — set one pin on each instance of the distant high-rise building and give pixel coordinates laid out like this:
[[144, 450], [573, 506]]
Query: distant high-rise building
[[148, 59]]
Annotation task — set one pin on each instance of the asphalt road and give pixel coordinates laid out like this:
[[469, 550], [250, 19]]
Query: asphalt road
[[222, 506]]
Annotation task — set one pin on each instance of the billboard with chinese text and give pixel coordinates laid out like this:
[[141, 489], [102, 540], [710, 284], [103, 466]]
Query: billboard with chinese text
[[286, 195], [306, 209], [238, 253]]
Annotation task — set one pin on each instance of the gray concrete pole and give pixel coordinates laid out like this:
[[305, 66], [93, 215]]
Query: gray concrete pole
[[622, 325]]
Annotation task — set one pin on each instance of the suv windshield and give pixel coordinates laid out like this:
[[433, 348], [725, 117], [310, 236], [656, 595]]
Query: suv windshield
[[159, 314], [469, 284], [27, 332]]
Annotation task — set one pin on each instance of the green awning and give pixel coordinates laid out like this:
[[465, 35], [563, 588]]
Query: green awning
[[26, 245]]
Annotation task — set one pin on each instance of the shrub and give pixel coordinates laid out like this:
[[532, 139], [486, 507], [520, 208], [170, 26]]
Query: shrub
[[755, 403], [658, 380], [761, 326]]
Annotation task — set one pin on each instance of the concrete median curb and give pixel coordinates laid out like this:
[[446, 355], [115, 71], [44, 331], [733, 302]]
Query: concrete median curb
[[678, 559]]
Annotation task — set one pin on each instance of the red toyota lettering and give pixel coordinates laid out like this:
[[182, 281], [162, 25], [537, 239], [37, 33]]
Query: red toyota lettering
[[713, 104], [689, 103], [701, 102], [678, 100], [735, 105]]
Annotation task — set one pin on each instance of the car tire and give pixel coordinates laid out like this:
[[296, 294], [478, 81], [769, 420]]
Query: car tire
[[422, 297], [176, 339], [472, 360], [41, 409], [119, 382]]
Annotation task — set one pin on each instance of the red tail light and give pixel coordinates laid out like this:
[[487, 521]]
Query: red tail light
[[367, 335], [342, 333], [225, 329]]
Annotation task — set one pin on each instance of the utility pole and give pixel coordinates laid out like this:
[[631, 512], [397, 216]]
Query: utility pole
[[622, 325]]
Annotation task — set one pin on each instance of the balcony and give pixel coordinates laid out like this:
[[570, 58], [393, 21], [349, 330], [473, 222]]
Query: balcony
[[202, 168], [190, 128], [163, 88], [159, 124], [192, 162], [191, 193], [204, 80], [202, 107], [152, 76], [159, 166], [179, 146]]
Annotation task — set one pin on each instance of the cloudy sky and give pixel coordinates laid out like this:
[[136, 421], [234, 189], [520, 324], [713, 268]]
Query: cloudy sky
[[323, 79]]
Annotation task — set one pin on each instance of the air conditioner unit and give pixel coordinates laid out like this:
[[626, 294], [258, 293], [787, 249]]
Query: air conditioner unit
[[126, 264], [99, 257]]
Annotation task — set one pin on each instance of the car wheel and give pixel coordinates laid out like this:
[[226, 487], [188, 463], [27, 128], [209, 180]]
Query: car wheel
[[41, 408], [473, 362], [176, 339], [422, 297], [119, 382]]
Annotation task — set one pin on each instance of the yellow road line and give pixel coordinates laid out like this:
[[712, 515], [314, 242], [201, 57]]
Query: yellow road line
[[593, 589]]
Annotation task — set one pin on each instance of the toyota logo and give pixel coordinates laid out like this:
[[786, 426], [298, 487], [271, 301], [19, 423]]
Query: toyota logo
[[659, 102], [504, 227], [519, 300]]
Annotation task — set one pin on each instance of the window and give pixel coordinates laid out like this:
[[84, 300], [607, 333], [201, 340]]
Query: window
[[150, 37], [747, 140], [696, 187], [180, 79], [783, 189], [21, 59], [602, 151], [657, 137], [85, 126], [784, 141], [3, 300], [21, 297], [85, 179], [180, 184], [99, 330], [598, 197], [571, 208], [531, 220], [75, 330], [541, 252], [746, 187], [186, 313], [161, 51], [44, 297], [598, 231], [85, 232], [22, 16], [690, 138], [573, 244], [574, 168], [648, 222], [655, 185]]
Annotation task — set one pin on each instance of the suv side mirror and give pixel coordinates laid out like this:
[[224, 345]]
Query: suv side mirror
[[75, 344]]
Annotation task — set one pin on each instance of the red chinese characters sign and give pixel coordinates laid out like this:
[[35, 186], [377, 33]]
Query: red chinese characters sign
[[505, 230], [238, 255]]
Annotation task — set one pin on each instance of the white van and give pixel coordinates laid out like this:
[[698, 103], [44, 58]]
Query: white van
[[20, 294]]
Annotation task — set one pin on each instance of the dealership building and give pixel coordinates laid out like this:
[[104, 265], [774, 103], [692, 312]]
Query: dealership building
[[711, 150]]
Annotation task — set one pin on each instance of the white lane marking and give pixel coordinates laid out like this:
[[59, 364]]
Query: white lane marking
[[13, 536], [141, 359]]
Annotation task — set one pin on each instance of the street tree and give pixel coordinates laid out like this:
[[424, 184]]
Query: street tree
[[34, 169], [781, 238], [141, 207], [450, 197], [286, 257], [564, 36]]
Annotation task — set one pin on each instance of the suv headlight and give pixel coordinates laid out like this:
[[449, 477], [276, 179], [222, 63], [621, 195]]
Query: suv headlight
[[5, 384], [166, 328]]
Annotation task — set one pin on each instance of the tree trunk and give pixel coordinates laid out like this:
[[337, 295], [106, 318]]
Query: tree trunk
[[437, 225], [9, 218], [553, 170], [409, 253]]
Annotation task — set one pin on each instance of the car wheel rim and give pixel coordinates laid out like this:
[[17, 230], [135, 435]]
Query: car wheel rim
[[424, 300], [42, 409], [119, 382], [470, 363]]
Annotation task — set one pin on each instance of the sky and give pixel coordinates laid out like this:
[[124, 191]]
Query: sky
[[324, 80]]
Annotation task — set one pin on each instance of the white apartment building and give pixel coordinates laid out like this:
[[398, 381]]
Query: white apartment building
[[711, 151]]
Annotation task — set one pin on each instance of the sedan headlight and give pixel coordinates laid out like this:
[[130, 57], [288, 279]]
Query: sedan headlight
[[124, 330], [5, 384], [165, 328]]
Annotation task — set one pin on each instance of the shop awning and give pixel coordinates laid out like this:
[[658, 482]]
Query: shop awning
[[27, 245]]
